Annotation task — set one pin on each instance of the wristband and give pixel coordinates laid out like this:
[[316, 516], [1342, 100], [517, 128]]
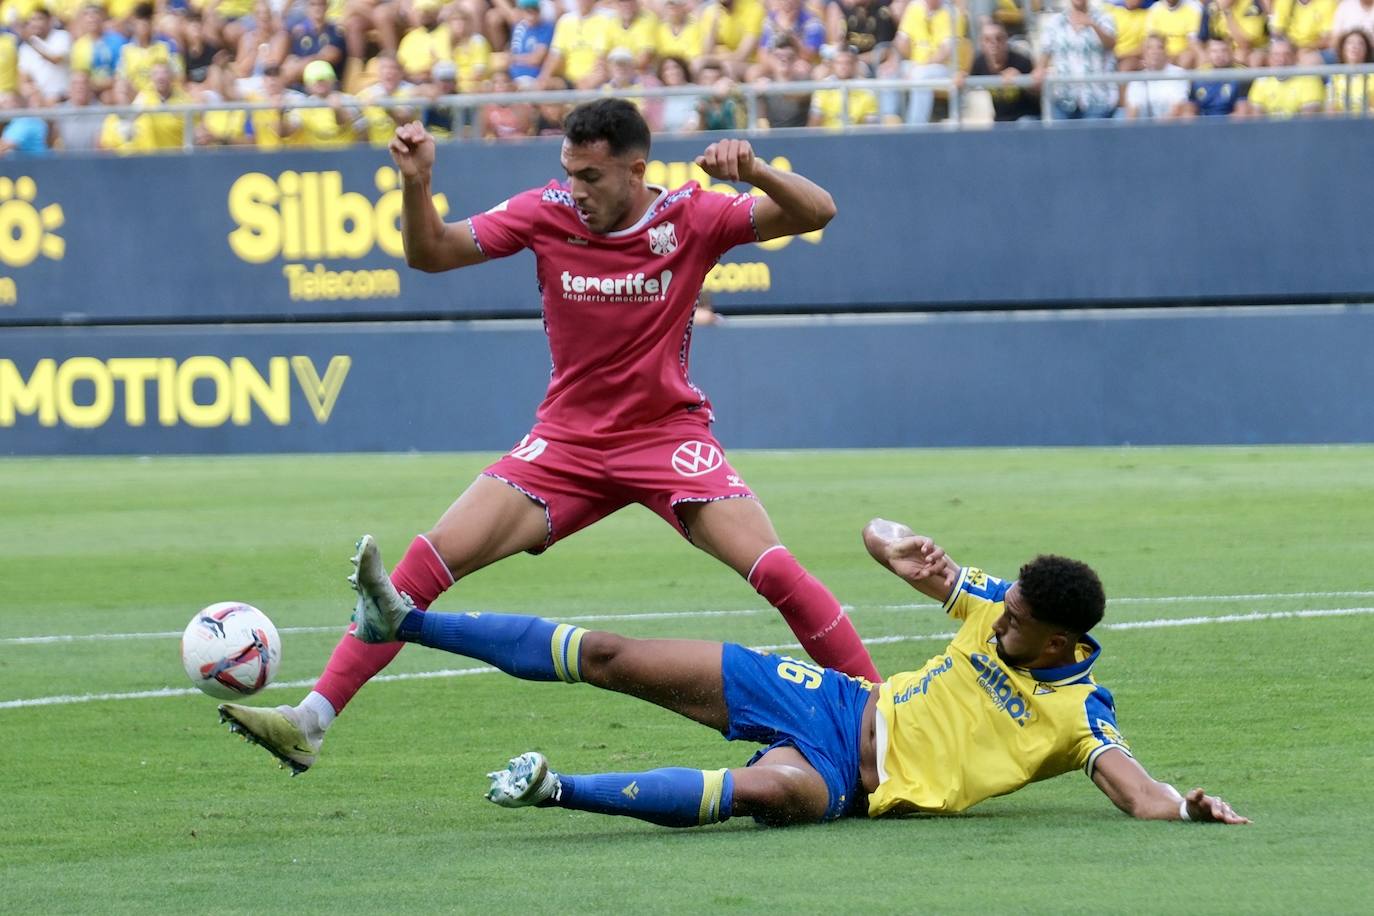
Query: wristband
[[1183, 814]]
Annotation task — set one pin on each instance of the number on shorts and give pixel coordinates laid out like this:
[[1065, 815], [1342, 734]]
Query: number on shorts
[[804, 673], [529, 449]]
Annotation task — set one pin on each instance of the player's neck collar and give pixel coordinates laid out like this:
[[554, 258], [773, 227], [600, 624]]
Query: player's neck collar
[[1067, 674], [644, 217]]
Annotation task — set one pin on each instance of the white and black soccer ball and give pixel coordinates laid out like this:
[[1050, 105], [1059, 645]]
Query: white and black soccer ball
[[230, 650]]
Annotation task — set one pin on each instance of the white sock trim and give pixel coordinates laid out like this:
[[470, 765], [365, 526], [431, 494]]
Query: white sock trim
[[750, 578], [321, 707], [434, 550]]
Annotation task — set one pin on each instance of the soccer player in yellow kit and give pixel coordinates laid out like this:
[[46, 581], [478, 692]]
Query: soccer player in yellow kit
[[1011, 700]]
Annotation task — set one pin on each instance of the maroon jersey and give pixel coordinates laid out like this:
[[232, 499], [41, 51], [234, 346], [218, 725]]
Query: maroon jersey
[[618, 306]]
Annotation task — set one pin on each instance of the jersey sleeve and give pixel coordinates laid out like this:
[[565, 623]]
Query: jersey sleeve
[[1100, 732], [724, 220], [507, 227], [973, 591]]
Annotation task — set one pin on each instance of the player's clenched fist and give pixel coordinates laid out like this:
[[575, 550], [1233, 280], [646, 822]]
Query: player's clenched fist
[[729, 160], [412, 148]]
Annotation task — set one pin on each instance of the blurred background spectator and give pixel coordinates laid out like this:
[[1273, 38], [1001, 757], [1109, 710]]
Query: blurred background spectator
[[1352, 93], [733, 29], [1077, 42], [996, 58], [1180, 22], [1157, 99], [783, 63], [833, 108], [933, 39], [1219, 98], [43, 56], [80, 133], [676, 113], [530, 39], [1286, 96]]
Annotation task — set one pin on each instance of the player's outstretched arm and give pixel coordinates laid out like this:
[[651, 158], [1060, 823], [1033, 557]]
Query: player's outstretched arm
[[1122, 779], [914, 558], [431, 244], [791, 203]]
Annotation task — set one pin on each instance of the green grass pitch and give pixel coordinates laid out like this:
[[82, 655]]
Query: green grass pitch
[[148, 805]]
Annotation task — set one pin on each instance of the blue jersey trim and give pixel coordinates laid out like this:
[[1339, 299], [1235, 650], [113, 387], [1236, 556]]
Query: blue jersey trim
[[1068, 674]]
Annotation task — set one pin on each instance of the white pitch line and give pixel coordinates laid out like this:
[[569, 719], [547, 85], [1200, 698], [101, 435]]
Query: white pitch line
[[672, 615], [1162, 623]]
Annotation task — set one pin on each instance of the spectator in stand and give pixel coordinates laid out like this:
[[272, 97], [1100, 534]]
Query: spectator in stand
[[273, 128], [226, 20], [511, 121], [43, 58], [790, 17], [144, 50], [312, 37], [1283, 97], [1354, 14], [425, 43], [156, 131], [717, 109], [733, 29], [1157, 100], [996, 58], [933, 38], [80, 133], [332, 125], [386, 18], [117, 130], [377, 124], [831, 109], [1307, 25], [1352, 93], [1129, 18], [1244, 24], [868, 26], [676, 113], [198, 52], [1078, 42], [468, 48], [265, 44], [221, 127], [29, 135], [680, 33], [443, 120], [634, 29], [1219, 98], [579, 44], [92, 53], [548, 118], [1179, 21], [782, 63], [623, 73], [530, 38]]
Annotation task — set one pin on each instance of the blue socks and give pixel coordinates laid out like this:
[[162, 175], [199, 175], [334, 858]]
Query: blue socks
[[670, 797], [530, 648]]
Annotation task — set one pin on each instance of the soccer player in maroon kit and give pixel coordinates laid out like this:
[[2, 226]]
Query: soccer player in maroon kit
[[620, 265]]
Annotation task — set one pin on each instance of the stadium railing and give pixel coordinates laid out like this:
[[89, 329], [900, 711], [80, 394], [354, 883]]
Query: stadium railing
[[751, 94]]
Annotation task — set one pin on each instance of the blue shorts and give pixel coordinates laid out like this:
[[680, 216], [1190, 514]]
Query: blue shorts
[[782, 702]]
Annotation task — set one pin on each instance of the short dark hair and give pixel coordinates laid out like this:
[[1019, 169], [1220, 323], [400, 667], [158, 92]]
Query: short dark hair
[[617, 121], [144, 11], [1062, 592]]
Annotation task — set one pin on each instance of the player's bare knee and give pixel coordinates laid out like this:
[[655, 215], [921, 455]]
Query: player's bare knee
[[602, 656], [779, 795]]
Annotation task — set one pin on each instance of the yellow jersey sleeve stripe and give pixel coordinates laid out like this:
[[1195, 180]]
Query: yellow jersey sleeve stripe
[[556, 641], [954, 592], [572, 649], [713, 784], [1099, 751]]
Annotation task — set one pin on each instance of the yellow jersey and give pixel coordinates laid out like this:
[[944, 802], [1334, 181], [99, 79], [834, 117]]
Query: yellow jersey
[[1250, 18], [472, 60], [1130, 30], [863, 107], [1304, 23], [1284, 98], [269, 124], [733, 25], [154, 131], [380, 125], [640, 36], [420, 49], [320, 128], [9, 63], [686, 44], [928, 32], [968, 727], [136, 64], [581, 42], [1360, 88], [1178, 25]]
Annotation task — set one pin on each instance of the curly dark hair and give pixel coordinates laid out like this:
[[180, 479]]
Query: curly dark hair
[[617, 121], [1062, 592]]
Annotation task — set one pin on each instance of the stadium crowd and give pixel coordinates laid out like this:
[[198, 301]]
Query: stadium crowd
[[348, 54]]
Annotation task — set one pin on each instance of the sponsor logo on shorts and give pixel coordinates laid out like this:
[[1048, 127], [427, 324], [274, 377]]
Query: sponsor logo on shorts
[[692, 459], [735, 480], [663, 239]]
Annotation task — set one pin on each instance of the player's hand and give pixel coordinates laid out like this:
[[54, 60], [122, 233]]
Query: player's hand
[[412, 149], [1204, 807], [916, 558], [729, 160]]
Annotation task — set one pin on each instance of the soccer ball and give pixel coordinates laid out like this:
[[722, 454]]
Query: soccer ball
[[230, 650]]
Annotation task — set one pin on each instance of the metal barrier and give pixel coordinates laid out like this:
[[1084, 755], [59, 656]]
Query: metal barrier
[[955, 87]]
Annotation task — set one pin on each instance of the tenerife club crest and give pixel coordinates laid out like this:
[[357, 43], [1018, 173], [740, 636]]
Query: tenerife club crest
[[663, 239]]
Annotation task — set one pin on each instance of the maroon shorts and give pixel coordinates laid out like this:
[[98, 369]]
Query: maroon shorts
[[579, 484]]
